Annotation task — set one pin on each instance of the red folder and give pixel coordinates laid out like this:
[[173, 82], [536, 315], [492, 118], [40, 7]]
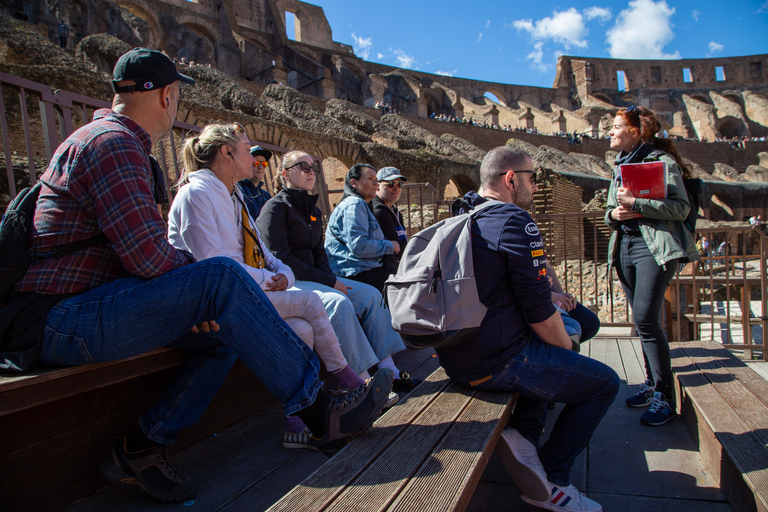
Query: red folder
[[646, 180]]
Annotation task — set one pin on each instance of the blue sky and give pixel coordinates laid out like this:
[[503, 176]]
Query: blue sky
[[519, 42]]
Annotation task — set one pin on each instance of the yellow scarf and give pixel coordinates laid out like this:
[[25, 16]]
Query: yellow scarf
[[252, 253]]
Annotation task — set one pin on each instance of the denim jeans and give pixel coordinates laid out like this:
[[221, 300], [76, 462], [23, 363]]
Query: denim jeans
[[128, 317], [645, 282], [361, 321], [543, 373], [588, 321]]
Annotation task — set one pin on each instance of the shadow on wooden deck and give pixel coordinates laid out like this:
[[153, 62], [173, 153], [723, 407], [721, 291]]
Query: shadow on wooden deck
[[627, 467]]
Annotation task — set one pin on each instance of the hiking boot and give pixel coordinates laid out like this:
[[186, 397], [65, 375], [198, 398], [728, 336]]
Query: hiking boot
[[296, 440], [350, 413], [521, 458], [643, 397], [659, 411], [564, 498], [149, 469]]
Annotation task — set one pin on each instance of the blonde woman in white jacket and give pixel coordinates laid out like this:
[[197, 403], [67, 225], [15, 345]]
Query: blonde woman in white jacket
[[208, 219]]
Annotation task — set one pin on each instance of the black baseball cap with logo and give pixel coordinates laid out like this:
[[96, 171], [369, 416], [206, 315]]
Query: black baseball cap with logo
[[149, 69]]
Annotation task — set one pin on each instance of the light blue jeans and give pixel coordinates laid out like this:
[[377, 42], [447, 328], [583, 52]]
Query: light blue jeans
[[131, 316], [362, 322]]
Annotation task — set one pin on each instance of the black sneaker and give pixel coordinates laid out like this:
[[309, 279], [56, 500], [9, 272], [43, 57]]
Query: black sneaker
[[350, 413], [405, 383], [150, 469]]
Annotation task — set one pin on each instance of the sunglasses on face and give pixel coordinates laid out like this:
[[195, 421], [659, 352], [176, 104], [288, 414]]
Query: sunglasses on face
[[263, 164], [532, 173], [306, 168], [394, 184]]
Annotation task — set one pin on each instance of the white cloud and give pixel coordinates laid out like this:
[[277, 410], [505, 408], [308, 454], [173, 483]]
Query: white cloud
[[629, 39], [379, 55], [714, 47], [487, 24], [695, 14], [362, 46], [480, 37], [537, 56], [601, 13], [405, 60], [447, 73], [565, 27], [763, 8]]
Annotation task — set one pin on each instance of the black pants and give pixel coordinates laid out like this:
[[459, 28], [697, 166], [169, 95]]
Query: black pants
[[375, 277], [644, 283]]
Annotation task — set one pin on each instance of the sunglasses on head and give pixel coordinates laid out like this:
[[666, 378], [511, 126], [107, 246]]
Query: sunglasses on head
[[263, 164], [239, 130], [394, 184], [305, 167]]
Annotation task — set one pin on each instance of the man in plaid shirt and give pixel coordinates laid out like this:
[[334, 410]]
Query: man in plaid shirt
[[137, 293]]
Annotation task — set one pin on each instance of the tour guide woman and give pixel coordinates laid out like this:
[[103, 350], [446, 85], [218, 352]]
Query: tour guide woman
[[648, 243]]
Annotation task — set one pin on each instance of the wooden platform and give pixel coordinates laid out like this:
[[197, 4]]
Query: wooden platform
[[627, 467]]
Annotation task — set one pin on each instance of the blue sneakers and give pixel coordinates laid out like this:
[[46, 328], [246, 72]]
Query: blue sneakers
[[659, 411], [643, 397]]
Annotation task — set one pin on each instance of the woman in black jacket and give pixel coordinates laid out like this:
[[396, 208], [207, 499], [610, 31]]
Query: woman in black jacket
[[292, 228]]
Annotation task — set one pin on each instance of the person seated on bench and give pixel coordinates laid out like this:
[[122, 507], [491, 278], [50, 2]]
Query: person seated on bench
[[522, 346], [202, 220], [292, 227], [137, 292], [252, 188]]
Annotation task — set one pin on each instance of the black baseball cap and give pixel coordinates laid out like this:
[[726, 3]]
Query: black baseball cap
[[260, 151], [150, 69]]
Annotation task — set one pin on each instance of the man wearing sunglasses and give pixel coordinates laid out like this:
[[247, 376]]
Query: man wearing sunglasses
[[385, 210], [254, 195], [522, 345]]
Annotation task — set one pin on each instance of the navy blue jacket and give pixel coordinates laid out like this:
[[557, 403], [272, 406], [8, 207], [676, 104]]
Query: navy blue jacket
[[508, 251], [254, 197]]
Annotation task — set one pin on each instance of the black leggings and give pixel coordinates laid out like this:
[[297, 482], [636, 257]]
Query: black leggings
[[375, 277], [644, 283]]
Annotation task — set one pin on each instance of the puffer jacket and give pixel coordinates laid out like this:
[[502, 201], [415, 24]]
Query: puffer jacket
[[662, 222]]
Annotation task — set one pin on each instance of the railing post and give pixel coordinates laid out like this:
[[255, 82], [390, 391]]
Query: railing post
[[7, 146]]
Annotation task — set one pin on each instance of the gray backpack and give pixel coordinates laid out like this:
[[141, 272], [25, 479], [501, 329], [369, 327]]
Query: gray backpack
[[433, 297]]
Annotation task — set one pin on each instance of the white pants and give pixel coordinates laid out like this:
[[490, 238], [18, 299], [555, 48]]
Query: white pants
[[305, 313]]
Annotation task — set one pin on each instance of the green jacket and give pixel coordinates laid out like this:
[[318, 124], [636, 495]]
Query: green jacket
[[662, 222]]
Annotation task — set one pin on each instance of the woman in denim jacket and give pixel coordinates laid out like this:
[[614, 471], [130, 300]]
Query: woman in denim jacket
[[353, 239], [648, 243]]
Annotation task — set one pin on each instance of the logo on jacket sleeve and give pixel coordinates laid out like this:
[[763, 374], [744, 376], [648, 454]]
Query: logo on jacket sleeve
[[532, 229]]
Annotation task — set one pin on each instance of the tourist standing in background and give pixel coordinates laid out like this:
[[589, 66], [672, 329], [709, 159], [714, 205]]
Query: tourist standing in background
[[385, 210], [63, 32], [648, 243]]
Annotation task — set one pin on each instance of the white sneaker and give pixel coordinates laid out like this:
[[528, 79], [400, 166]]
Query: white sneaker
[[392, 399], [520, 457], [565, 499]]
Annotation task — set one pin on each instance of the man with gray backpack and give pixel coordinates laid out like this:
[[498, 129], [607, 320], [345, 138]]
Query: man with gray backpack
[[521, 344]]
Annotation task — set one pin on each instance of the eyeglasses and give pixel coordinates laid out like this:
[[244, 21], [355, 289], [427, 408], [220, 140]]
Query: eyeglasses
[[263, 164], [393, 184], [531, 172], [632, 109], [306, 168]]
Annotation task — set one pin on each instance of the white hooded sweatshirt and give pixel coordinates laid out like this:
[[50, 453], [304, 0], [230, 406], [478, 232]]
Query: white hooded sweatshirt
[[207, 221]]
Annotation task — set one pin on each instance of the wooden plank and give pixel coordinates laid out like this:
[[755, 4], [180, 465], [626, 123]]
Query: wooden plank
[[634, 367], [374, 489], [613, 357], [743, 466], [449, 477], [322, 487], [49, 387], [598, 349]]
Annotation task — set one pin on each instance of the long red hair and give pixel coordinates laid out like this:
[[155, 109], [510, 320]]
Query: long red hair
[[643, 121]]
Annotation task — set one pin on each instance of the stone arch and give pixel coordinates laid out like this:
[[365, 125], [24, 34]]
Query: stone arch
[[143, 11], [731, 127], [461, 183], [702, 98], [734, 97], [603, 97], [498, 94], [720, 208], [202, 29]]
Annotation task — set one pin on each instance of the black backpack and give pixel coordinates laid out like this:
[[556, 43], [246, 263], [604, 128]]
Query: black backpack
[[23, 315], [694, 188]]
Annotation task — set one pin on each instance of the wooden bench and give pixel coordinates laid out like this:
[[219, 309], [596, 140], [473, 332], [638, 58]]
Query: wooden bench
[[425, 454], [725, 406], [57, 425]]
